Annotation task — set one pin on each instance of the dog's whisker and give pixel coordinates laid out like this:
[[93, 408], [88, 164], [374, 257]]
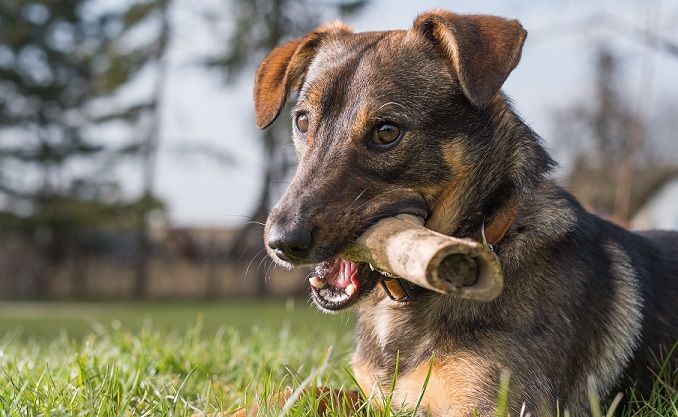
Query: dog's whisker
[[262, 261], [360, 195], [252, 260], [270, 266], [256, 222], [393, 103], [242, 253], [239, 215]]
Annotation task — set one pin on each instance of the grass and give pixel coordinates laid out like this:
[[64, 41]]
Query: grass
[[46, 320], [183, 359]]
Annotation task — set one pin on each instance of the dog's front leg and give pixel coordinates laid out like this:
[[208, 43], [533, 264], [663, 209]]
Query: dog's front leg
[[459, 385]]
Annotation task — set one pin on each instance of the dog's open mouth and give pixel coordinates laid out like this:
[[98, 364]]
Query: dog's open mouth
[[338, 283]]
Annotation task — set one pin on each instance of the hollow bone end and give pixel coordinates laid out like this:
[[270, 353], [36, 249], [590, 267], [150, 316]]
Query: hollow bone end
[[476, 275]]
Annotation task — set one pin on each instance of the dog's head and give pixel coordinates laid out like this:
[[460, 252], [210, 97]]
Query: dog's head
[[388, 123]]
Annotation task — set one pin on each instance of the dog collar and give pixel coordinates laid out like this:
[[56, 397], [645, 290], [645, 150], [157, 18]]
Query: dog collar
[[496, 230], [398, 289]]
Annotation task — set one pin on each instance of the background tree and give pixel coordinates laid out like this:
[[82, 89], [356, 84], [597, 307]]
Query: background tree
[[616, 166], [148, 203], [258, 27], [62, 67]]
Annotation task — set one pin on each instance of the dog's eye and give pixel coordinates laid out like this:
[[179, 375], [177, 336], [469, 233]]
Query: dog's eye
[[385, 134], [301, 121]]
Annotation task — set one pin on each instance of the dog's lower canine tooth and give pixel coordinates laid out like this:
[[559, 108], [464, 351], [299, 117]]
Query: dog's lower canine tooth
[[316, 282], [350, 289]]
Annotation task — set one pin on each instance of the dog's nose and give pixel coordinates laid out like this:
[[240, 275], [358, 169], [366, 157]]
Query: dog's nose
[[290, 243]]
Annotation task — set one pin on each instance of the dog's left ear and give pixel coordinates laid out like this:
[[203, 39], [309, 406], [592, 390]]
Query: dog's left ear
[[483, 49], [284, 69]]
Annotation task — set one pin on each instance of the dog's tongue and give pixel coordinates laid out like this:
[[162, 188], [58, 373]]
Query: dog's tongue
[[346, 274]]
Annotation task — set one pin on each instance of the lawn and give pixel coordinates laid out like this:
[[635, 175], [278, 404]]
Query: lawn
[[178, 359], [47, 320]]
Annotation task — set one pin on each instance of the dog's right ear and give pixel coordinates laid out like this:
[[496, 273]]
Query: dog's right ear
[[284, 69]]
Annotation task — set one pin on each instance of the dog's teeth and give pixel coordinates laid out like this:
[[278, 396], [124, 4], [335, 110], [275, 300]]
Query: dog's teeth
[[316, 282], [371, 267], [350, 289]]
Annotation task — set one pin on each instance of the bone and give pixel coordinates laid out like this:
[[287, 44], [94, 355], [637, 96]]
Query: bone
[[402, 247]]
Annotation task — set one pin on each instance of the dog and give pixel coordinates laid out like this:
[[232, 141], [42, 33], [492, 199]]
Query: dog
[[414, 121]]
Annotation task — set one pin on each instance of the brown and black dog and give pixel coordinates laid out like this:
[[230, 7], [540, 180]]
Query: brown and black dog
[[413, 121]]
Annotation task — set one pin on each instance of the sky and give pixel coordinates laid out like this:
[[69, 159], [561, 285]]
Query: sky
[[555, 70]]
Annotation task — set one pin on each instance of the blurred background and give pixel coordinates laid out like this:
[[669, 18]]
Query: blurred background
[[130, 167]]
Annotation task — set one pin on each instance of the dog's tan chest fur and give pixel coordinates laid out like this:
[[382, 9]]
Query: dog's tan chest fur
[[455, 382]]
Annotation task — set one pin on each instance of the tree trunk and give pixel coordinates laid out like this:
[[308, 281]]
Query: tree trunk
[[150, 153], [140, 289], [248, 243]]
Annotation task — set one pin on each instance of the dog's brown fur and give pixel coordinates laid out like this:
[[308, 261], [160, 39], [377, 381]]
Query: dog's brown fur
[[585, 302]]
